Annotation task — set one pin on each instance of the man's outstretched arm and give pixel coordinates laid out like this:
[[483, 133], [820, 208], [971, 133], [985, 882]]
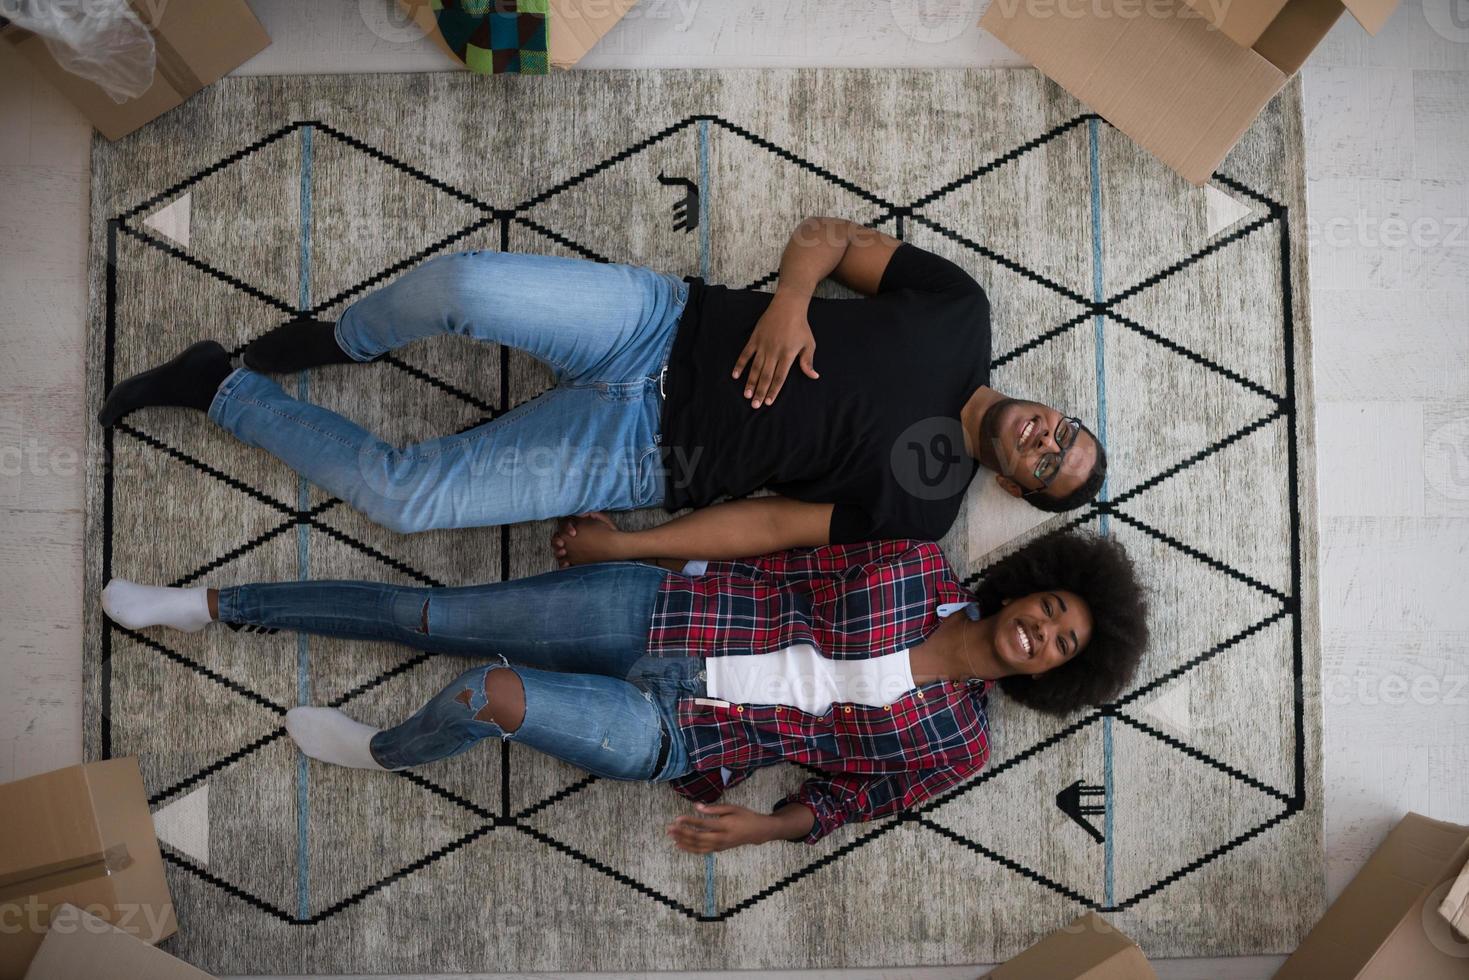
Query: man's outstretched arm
[[736, 529], [853, 255]]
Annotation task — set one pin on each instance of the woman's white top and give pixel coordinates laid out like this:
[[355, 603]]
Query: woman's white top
[[800, 677]]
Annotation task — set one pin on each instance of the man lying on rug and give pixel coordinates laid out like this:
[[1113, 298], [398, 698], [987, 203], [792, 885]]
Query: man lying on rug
[[844, 657], [881, 444]]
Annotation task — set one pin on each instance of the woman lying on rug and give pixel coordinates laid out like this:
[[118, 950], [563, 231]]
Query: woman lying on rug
[[863, 670]]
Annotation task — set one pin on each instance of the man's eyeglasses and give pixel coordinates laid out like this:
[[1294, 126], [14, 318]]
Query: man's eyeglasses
[[1049, 466]]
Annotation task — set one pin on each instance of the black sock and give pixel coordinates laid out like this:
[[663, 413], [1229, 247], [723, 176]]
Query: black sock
[[296, 346], [188, 381]]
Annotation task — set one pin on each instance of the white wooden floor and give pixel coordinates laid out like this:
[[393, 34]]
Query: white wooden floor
[[1388, 166]]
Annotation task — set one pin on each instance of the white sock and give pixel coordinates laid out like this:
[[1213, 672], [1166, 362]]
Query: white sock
[[330, 736], [136, 606]]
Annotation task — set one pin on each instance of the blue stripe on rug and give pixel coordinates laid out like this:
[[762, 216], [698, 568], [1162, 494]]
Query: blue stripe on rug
[[1098, 327], [303, 557]]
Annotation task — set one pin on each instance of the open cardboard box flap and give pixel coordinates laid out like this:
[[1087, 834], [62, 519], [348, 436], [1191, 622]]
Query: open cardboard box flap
[[1162, 73], [1242, 21], [577, 26], [1184, 92], [1371, 14], [1246, 21]]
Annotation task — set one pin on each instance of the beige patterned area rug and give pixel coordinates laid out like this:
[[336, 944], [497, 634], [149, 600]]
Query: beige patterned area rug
[[1172, 318]]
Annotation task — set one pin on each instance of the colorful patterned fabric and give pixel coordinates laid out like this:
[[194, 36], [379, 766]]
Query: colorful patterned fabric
[[849, 602], [497, 36]]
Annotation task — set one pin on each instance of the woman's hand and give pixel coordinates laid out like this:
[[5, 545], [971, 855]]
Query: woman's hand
[[781, 335], [584, 539], [718, 827]]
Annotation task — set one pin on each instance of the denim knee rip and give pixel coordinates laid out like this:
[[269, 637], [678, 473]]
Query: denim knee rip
[[475, 692]]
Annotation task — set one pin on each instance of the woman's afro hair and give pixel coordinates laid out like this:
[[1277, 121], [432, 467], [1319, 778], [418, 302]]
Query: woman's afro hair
[[1099, 570]]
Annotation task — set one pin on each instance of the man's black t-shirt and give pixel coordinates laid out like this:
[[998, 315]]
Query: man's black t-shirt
[[877, 435]]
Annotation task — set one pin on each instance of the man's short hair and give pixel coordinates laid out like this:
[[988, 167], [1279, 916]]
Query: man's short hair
[[1083, 494]]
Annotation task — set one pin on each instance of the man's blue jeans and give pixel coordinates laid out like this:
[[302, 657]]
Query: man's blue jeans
[[579, 638], [590, 443]]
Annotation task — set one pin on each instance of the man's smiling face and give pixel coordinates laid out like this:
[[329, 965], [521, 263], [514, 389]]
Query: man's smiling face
[[1017, 437]]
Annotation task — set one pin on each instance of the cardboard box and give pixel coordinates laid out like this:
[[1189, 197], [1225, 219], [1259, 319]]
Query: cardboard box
[[575, 25], [198, 43], [1088, 949], [81, 836], [1455, 906], [1184, 78], [81, 946], [1385, 925]]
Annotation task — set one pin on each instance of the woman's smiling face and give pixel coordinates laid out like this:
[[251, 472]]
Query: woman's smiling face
[[1041, 631]]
